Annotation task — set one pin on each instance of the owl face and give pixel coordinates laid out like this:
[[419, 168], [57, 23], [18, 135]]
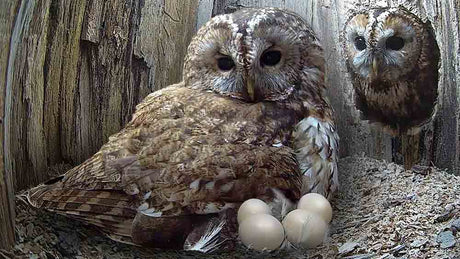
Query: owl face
[[254, 55], [383, 43]]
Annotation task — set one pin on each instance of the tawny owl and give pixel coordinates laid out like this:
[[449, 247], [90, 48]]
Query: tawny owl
[[249, 120], [393, 58]]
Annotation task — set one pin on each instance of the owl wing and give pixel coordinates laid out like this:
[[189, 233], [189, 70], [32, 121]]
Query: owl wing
[[184, 155], [315, 142]]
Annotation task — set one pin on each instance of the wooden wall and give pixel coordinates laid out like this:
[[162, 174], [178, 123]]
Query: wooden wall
[[72, 71], [8, 10], [78, 69]]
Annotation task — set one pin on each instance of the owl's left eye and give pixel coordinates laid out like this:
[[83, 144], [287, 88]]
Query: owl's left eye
[[225, 63], [360, 43]]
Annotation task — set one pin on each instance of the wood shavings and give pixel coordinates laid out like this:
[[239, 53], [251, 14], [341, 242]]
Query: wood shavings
[[348, 247], [360, 256], [388, 211], [392, 210], [446, 239], [418, 243]]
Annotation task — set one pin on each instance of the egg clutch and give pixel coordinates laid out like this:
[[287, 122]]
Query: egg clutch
[[304, 227]]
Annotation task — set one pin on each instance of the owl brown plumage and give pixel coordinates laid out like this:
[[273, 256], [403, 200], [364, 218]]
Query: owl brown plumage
[[243, 124], [393, 60]]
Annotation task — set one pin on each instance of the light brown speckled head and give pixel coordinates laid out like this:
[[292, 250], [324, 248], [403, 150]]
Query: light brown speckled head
[[255, 55]]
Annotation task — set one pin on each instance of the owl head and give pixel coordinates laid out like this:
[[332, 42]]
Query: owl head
[[255, 55], [383, 43]]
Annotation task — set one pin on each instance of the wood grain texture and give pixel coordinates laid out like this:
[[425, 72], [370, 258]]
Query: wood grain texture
[[204, 13], [8, 10], [447, 123], [24, 132], [78, 70]]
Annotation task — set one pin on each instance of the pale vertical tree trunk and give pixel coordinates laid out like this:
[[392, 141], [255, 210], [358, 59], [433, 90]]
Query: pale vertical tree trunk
[[8, 10]]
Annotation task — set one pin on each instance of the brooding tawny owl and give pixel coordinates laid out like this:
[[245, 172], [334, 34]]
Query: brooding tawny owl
[[249, 120], [393, 58]]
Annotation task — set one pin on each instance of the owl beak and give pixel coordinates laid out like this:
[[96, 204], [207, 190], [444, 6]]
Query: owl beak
[[250, 89], [375, 68]]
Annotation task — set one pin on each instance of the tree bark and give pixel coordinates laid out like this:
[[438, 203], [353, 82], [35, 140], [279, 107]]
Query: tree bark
[[79, 70], [8, 10]]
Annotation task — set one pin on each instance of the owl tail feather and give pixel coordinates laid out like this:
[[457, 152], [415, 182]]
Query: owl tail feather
[[111, 210]]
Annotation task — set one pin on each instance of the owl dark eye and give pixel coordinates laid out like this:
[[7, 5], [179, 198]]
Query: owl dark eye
[[225, 63], [360, 43], [270, 58], [395, 43]]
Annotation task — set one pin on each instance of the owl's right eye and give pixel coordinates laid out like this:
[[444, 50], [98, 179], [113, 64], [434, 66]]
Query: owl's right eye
[[270, 58], [395, 43], [360, 43], [225, 63]]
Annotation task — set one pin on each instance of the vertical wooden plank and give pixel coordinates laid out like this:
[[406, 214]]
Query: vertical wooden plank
[[145, 41], [69, 110], [224, 6], [140, 47], [24, 140], [100, 77], [8, 10], [447, 135], [176, 29], [7, 213], [204, 13], [165, 31], [33, 57], [54, 69], [411, 150]]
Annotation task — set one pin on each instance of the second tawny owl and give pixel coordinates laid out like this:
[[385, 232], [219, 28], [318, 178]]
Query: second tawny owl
[[393, 59]]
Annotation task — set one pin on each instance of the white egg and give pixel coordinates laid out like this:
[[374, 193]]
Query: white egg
[[251, 207], [261, 232], [304, 228], [316, 203]]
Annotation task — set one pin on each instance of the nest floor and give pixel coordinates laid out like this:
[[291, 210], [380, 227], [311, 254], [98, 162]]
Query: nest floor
[[381, 211]]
